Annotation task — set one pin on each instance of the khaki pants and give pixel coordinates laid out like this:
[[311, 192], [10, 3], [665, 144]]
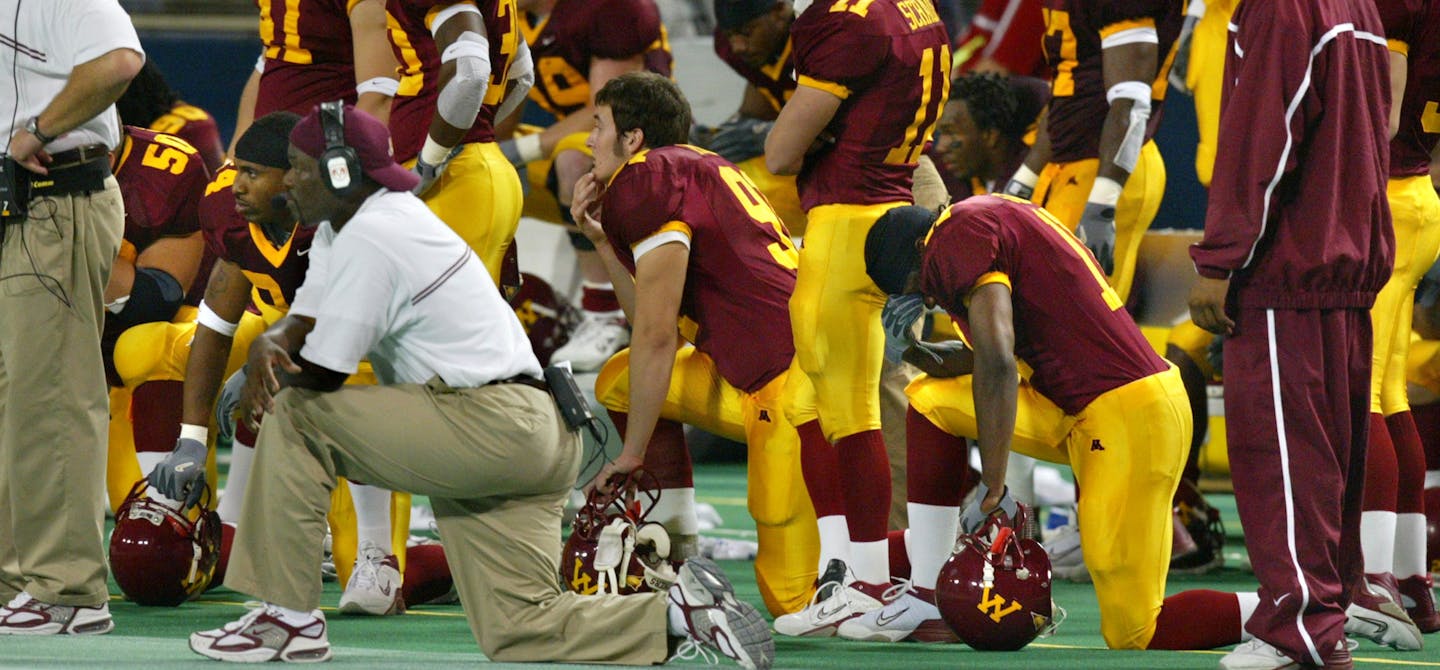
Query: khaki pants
[[53, 402], [497, 464]]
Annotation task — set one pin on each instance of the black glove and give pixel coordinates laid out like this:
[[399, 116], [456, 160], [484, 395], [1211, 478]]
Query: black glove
[[181, 476], [1180, 67], [972, 520], [740, 140], [1097, 231]]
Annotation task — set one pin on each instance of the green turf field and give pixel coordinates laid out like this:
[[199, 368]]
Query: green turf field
[[438, 637]]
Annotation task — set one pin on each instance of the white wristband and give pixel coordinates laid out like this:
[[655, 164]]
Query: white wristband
[[200, 434], [1106, 191], [382, 85], [1025, 176], [433, 153], [529, 147], [215, 322]]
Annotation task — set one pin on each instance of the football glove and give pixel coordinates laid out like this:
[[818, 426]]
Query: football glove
[[225, 408], [181, 476], [898, 318], [933, 358], [740, 140], [972, 520], [1097, 231], [430, 173]]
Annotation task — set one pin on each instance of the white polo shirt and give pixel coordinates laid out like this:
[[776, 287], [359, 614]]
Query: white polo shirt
[[51, 38], [396, 286]]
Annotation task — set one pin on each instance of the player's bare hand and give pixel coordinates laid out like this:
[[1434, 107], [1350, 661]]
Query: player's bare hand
[[585, 207], [613, 475], [1207, 305], [262, 381]]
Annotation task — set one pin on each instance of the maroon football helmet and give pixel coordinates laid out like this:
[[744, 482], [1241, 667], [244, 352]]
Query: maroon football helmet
[[546, 316], [160, 556], [612, 548], [996, 595]]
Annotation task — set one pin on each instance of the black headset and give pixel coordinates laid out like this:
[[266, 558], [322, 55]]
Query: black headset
[[339, 165]]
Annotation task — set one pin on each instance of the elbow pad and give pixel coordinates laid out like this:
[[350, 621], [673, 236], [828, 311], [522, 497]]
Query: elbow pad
[[460, 99], [1139, 95]]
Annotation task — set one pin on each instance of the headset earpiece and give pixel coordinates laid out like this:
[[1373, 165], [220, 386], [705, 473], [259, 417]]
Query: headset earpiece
[[339, 165]]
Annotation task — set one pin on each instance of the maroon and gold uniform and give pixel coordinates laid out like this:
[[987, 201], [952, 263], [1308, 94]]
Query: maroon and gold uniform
[[308, 54], [414, 46], [734, 308], [479, 194], [575, 31], [275, 270], [890, 63], [1074, 34], [196, 126], [775, 80], [1095, 395]]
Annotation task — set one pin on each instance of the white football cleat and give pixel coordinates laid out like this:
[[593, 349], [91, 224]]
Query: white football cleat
[[834, 603], [264, 635], [1257, 654], [906, 616], [594, 341], [374, 586]]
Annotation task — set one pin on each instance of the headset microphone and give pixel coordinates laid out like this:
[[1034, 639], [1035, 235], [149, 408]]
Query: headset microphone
[[281, 201]]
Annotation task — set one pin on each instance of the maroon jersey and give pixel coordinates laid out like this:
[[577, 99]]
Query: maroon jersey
[[309, 54], [890, 62], [1007, 32], [775, 80], [742, 263], [1070, 326], [413, 42], [275, 270], [1073, 33], [196, 126], [1298, 216], [575, 31], [1413, 27], [161, 180]]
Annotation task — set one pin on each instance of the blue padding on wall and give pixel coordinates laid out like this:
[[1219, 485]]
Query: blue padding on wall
[[208, 69]]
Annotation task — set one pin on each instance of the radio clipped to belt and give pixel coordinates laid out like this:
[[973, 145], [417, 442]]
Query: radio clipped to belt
[[574, 408], [14, 192]]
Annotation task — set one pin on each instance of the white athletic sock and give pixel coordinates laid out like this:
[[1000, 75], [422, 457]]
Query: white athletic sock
[[1249, 600], [834, 540], [931, 537], [1377, 540], [1410, 546], [236, 478], [372, 515], [292, 617], [676, 511], [871, 561]]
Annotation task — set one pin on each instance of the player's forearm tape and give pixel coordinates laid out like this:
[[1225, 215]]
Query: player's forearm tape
[[1025, 176], [154, 296], [200, 434], [1139, 94], [215, 322], [522, 74], [1142, 35], [459, 100], [444, 15], [260, 63], [382, 85], [1106, 191], [433, 152], [1196, 9], [529, 148]]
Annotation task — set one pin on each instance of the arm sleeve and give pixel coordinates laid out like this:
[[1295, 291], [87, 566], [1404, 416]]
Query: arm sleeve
[[622, 28], [1258, 134], [355, 311]]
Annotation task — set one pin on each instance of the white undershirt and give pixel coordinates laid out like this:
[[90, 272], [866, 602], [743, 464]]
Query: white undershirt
[[396, 286]]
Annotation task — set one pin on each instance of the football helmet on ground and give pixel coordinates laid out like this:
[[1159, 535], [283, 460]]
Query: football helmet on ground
[[161, 556], [613, 548], [996, 595]]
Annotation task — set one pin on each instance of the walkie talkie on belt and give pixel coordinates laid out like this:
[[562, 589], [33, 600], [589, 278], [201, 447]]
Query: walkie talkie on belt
[[14, 193]]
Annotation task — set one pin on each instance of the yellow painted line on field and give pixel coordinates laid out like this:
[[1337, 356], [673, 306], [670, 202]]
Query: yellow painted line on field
[[738, 502]]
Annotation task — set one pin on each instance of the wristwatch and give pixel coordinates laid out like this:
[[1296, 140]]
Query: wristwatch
[[33, 127]]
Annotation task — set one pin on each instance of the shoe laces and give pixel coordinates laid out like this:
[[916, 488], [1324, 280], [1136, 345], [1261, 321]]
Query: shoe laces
[[899, 588], [692, 648], [257, 608], [1057, 617]]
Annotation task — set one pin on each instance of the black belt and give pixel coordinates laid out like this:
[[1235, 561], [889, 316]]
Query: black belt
[[78, 170], [525, 380]]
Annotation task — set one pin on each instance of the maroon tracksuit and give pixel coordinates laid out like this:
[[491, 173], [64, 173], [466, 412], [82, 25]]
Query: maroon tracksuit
[[1299, 223]]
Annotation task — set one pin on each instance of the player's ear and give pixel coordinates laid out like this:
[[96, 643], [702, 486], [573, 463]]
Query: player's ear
[[634, 140]]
